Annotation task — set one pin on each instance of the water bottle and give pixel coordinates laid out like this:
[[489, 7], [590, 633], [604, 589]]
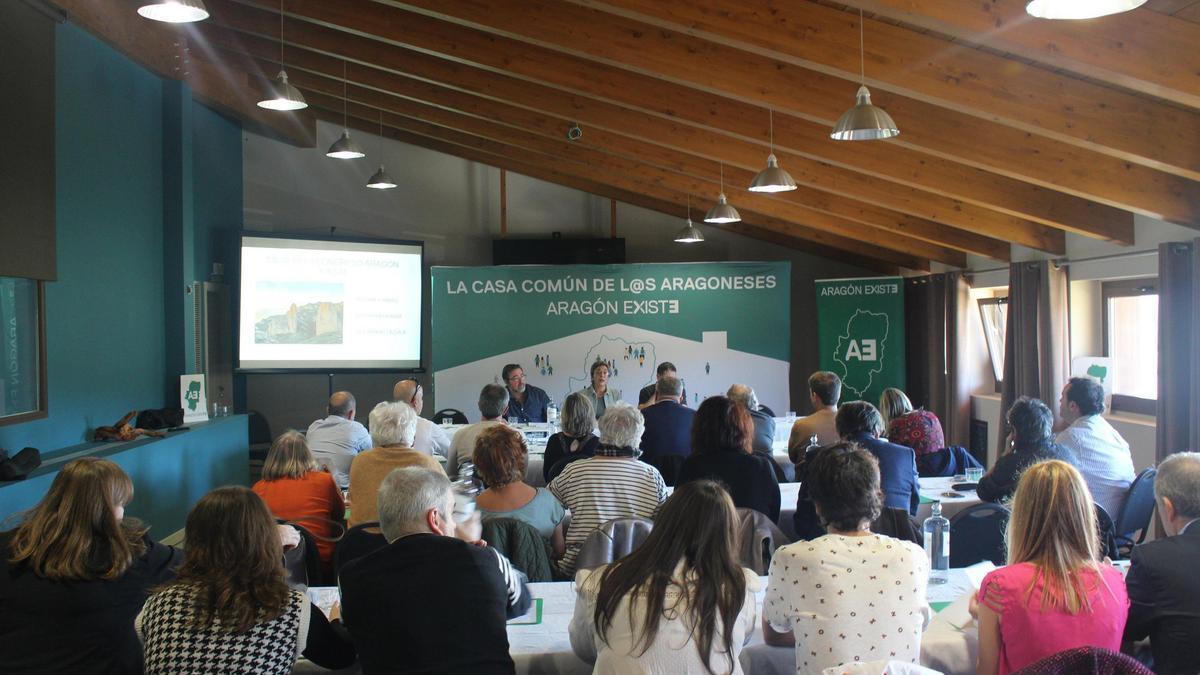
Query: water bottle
[[466, 488], [552, 415], [937, 545]]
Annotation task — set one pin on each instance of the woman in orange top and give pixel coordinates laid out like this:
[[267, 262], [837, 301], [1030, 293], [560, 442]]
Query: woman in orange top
[[296, 491]]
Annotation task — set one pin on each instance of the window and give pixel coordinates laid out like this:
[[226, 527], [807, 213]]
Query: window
[[1130, 310], [994, 314], [22, 350]]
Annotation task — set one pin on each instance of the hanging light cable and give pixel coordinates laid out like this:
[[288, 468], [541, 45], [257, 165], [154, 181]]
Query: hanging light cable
[[863, 122], [345, 147], [722, 212], [688, 234], [380, 180], [772, 178], [174, 11], [1079, 9], [283, 95]]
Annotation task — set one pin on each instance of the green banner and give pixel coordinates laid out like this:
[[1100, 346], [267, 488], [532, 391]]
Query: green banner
[[719, 323], [861, 334]]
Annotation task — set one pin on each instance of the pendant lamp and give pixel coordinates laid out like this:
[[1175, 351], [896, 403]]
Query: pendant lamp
[[772, 178], [1079, 9], [722, 212], [380, 180], [345, 147], [174, 11], [863, 122], [689, 234], [283, 95]]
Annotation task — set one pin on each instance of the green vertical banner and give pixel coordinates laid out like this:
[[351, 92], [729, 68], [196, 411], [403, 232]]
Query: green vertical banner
[[860, 326]]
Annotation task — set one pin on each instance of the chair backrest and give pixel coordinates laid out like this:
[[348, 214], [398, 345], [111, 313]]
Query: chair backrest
[[303, 563], [977, 534], [1095, 660], [1107, 533], [896, 523], [1138, 509], [357, 542], [259, 430], [612, 541], [454, 414], [758, 538], [521, 543]]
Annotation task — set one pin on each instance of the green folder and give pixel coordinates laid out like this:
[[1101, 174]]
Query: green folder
[[530, 618]]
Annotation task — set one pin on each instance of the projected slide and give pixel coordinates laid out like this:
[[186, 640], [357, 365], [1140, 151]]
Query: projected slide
[[310, 303]]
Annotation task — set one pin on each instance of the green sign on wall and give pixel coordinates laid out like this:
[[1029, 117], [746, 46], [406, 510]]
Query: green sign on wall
[[861, 334]]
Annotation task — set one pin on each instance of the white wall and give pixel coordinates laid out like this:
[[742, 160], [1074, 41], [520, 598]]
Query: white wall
[[453, 205]]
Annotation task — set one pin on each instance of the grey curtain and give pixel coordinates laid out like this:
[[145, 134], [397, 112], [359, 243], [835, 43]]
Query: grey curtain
[[936, 309], [1178, 425], [1037, 344]]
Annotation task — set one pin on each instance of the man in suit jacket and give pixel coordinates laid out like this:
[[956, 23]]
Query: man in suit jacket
[[1164, 590], [860, 422], [668, 428]]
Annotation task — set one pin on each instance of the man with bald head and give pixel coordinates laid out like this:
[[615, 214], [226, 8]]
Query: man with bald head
[[431, 439], [337, 438]]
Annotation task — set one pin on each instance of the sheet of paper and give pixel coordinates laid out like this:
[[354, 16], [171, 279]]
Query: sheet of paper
[[324, 597]]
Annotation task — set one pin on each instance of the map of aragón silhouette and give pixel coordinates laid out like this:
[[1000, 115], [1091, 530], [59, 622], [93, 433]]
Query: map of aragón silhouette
[[860, 350]]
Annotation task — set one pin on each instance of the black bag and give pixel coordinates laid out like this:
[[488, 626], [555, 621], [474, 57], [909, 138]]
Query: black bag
[[164, 418], [19, 465]]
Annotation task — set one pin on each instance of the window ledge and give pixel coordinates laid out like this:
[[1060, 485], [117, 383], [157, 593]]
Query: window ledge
[[1132, 418]]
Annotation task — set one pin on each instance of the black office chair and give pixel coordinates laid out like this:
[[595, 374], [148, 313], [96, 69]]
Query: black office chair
[[1137, 511], [977, 534], [1107, 533], [303, 563], [260, 442], [668, 466], [1096, 660], [456, 416], [358, 541]]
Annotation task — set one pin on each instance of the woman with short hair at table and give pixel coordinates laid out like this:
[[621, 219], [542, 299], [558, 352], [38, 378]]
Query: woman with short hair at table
[[576, 439], [722, 433], [501, 457], [817, 595], [1030, 440], [231, 610], [918, 429], [1054, 594], [679, 603], [76, 572], [598, 392], [295, 490], [612, 484]]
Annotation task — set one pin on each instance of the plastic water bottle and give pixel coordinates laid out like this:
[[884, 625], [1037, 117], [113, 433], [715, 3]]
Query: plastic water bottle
[[466, 488], [552, 415], [937, 545]]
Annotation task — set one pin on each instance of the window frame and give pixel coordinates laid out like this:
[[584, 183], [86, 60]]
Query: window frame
[[1126, 288], [995, 300], [43, 406]]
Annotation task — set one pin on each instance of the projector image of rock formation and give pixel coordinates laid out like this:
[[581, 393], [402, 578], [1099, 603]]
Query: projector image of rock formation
[[312, 323]]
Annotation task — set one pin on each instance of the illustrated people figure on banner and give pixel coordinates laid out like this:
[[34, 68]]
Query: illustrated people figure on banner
[[707, 368]]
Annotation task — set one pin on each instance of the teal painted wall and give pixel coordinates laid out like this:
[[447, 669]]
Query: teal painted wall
[[106, 333]]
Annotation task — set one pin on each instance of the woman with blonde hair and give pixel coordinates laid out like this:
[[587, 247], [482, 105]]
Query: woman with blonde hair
[[76, 572], [918, 429], [1054, 594], [295, 490], [230, 610]]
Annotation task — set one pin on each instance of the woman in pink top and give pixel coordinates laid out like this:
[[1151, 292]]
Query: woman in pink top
[[1054, 594]]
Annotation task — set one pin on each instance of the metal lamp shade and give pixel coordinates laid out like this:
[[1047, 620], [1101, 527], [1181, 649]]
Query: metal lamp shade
[[380, 180], [1079, 9], [864, 122], [283, 96], [345, 148], [772, 178], [689, 234], [722, 212], [174, 11]]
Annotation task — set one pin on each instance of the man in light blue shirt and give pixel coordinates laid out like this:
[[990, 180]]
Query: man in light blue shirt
[[336, 439], [1104, 457]]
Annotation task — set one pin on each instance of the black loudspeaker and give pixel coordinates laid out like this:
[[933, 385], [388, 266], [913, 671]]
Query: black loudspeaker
[[558, 251]]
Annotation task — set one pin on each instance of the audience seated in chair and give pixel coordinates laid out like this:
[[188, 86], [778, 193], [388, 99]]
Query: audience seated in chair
[[96, 564], [679, 603], [1164, 589], [576, 439], [230, 609], [435, 599], [1103, 456], [612, 484], [668, 427], [918, 429], [493, 403], [393, 426], [859, 422], [1030, 440], [806, 596], [335, 439], [294, 490], [721, 436], [1055, 593], [500, 460]]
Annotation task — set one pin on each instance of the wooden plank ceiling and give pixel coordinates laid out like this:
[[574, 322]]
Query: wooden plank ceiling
[[1013, 130]]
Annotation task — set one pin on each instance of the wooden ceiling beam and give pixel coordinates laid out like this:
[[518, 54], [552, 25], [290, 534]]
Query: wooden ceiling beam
[[639, 177], [882, 165], [474, 114], [922, 68], [164, 51], [1143, 50]]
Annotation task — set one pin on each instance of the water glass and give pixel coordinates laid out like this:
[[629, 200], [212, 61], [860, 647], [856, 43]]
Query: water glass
[[974, 473]]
